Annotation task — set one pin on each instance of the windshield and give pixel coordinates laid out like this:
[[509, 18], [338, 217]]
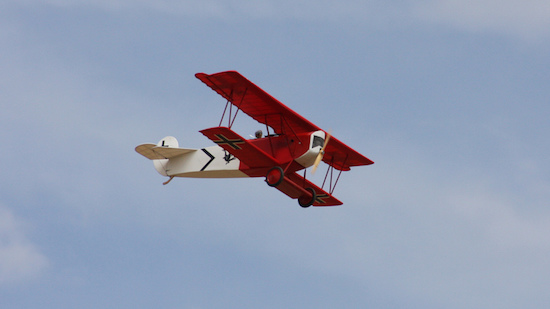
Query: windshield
[[317, 141]]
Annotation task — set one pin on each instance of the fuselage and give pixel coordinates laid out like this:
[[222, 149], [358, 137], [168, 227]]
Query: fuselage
[[292, 153]]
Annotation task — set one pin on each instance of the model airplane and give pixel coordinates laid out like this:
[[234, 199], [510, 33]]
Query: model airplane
[[291, 144]]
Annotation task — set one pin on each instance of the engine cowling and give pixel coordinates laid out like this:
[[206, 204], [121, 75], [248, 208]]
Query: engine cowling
[[316, 142]]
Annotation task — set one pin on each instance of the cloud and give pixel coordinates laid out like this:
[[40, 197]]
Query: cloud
[[415, 229], [232, 9], [20, 259], [525, 19], [500, 221], [529, 19]]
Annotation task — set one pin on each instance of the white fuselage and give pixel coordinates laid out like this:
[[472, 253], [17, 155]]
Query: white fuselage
[[210, 162]]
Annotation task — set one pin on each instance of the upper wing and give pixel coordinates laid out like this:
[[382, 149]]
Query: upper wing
[[265, 109], [342, 157], [256, 103]]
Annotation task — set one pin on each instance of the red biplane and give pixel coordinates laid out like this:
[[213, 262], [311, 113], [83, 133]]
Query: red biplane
[[291, 144]]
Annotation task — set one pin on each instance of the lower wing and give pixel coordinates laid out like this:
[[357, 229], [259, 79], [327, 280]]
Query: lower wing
[[294, 186]]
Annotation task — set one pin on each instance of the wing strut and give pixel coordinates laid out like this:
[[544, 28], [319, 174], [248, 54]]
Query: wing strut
[[330, 170], [230, 117], [223, 115]]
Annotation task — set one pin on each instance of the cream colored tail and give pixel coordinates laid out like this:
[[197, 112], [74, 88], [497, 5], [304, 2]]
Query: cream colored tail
[[163, 151]]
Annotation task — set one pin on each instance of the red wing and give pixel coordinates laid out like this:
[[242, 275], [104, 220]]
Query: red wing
[[342, 157], [265, 109], [245, 151], [294, 186], [256, 103]]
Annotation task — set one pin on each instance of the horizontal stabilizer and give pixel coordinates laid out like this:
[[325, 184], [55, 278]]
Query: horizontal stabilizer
[[154, 152]]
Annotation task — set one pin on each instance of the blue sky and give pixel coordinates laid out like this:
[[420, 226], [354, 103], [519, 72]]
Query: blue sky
[[449, 98]]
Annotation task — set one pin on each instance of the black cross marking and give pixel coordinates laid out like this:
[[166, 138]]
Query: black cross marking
[[211, 159], [320, 198], [230, 142]]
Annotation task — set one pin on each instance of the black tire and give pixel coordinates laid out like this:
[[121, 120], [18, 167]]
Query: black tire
[[304, 201], [274, 176]]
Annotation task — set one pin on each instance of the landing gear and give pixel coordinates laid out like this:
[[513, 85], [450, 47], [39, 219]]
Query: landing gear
[[274, 176], [305, 200]]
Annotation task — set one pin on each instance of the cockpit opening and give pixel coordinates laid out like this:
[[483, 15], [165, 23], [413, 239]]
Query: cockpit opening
[[317, 141]]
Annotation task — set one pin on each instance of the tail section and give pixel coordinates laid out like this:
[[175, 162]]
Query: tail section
[[167, 148], [172, 161]]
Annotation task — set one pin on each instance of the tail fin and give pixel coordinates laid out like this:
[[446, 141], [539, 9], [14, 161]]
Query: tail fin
[[160, 153]]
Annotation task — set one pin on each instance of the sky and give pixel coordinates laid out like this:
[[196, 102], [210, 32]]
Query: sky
[[448, 98]]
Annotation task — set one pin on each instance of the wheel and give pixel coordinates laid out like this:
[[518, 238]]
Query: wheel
[[305, 201], [275, 176]]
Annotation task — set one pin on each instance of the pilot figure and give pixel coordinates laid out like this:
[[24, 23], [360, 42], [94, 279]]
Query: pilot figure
[[259, 134]]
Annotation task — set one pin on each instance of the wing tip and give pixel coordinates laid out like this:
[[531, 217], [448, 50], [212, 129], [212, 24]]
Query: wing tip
[[202, 74]]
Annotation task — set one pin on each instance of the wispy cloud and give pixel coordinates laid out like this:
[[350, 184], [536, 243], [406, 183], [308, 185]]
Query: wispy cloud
[[497, 217], [20, 259], [527, 19], [234, 9]]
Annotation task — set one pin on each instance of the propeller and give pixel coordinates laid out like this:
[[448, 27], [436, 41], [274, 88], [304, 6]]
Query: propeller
[[321, 153]]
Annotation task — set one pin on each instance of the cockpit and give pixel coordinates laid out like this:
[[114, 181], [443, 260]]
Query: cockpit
[[317, 141]]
